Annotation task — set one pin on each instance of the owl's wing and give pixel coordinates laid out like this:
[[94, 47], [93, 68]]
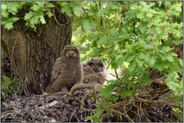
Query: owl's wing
[[88, 70], [57, 69]]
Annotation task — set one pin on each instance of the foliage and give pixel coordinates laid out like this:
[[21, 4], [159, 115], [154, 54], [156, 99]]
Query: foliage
[[136, 35], [37, 11], [9, 85]]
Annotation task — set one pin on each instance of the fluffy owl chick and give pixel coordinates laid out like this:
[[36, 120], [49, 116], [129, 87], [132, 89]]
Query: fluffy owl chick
[[67, 70], [94, 71]]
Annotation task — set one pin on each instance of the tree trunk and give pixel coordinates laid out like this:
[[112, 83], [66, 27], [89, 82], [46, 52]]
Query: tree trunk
[[32, 53]]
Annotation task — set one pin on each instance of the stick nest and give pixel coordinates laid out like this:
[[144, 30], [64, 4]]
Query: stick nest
[[152, 104], [46, 108]]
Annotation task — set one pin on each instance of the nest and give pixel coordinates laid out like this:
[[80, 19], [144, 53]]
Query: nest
[[46, 108], [151, 104]]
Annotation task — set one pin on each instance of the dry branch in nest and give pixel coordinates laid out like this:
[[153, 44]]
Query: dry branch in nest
[[150, 105]]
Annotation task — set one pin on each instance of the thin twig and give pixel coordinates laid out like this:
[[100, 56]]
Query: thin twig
[[158, 102], [116, 74], [82, 104], [124, 109], [165, 91], [144, 113], [73, 114], [113, 75], [118, 112]]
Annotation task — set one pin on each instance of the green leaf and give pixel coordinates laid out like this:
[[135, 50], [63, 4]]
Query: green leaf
[[77, 11], [106, 92], [139, 62], [127, 91], [64, 3], [67, 10], [144, 4], [114, 63], [4, 14], [49, 13], [132, 66], [7, 79], [161, 65], [113, 32], [149, 15], [3, 6], [143, 29], [172, 77], [4, 10], [181, 62], [130, 58], [4, 87], [126, 64], [173, 86], [33, 21], [42, 19], [13, 7], [8, 25], [14, 19], [178, 7], [140, 15], [152, 61], [170, 58], [86, 25], [50, 5], [166, 49], [38, 6], [100, 13], [144, 80], [28, 15], [103, 39]]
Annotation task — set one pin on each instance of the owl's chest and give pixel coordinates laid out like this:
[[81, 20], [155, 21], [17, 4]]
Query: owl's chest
[[71, 69]]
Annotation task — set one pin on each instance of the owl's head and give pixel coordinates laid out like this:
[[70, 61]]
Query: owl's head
[[71, 51], [96, 64]]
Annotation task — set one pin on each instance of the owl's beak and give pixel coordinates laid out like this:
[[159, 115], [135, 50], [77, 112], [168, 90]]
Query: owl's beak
[[95, 69], [71, 54]]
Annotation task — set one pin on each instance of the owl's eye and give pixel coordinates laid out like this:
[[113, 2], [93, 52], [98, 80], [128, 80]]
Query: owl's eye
[[91, 64], [100, 65], [67, 51], [75, 51]]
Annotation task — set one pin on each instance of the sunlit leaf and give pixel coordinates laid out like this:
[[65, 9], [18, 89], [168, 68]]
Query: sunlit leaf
[[126, 64], [42, 19], [77, 11]]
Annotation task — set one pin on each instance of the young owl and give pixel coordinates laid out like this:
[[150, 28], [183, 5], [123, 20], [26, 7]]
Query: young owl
[[94, 76], [67, 70], [94, 71]]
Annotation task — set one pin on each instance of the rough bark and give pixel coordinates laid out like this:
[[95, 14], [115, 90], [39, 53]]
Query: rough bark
[[32, 53]]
